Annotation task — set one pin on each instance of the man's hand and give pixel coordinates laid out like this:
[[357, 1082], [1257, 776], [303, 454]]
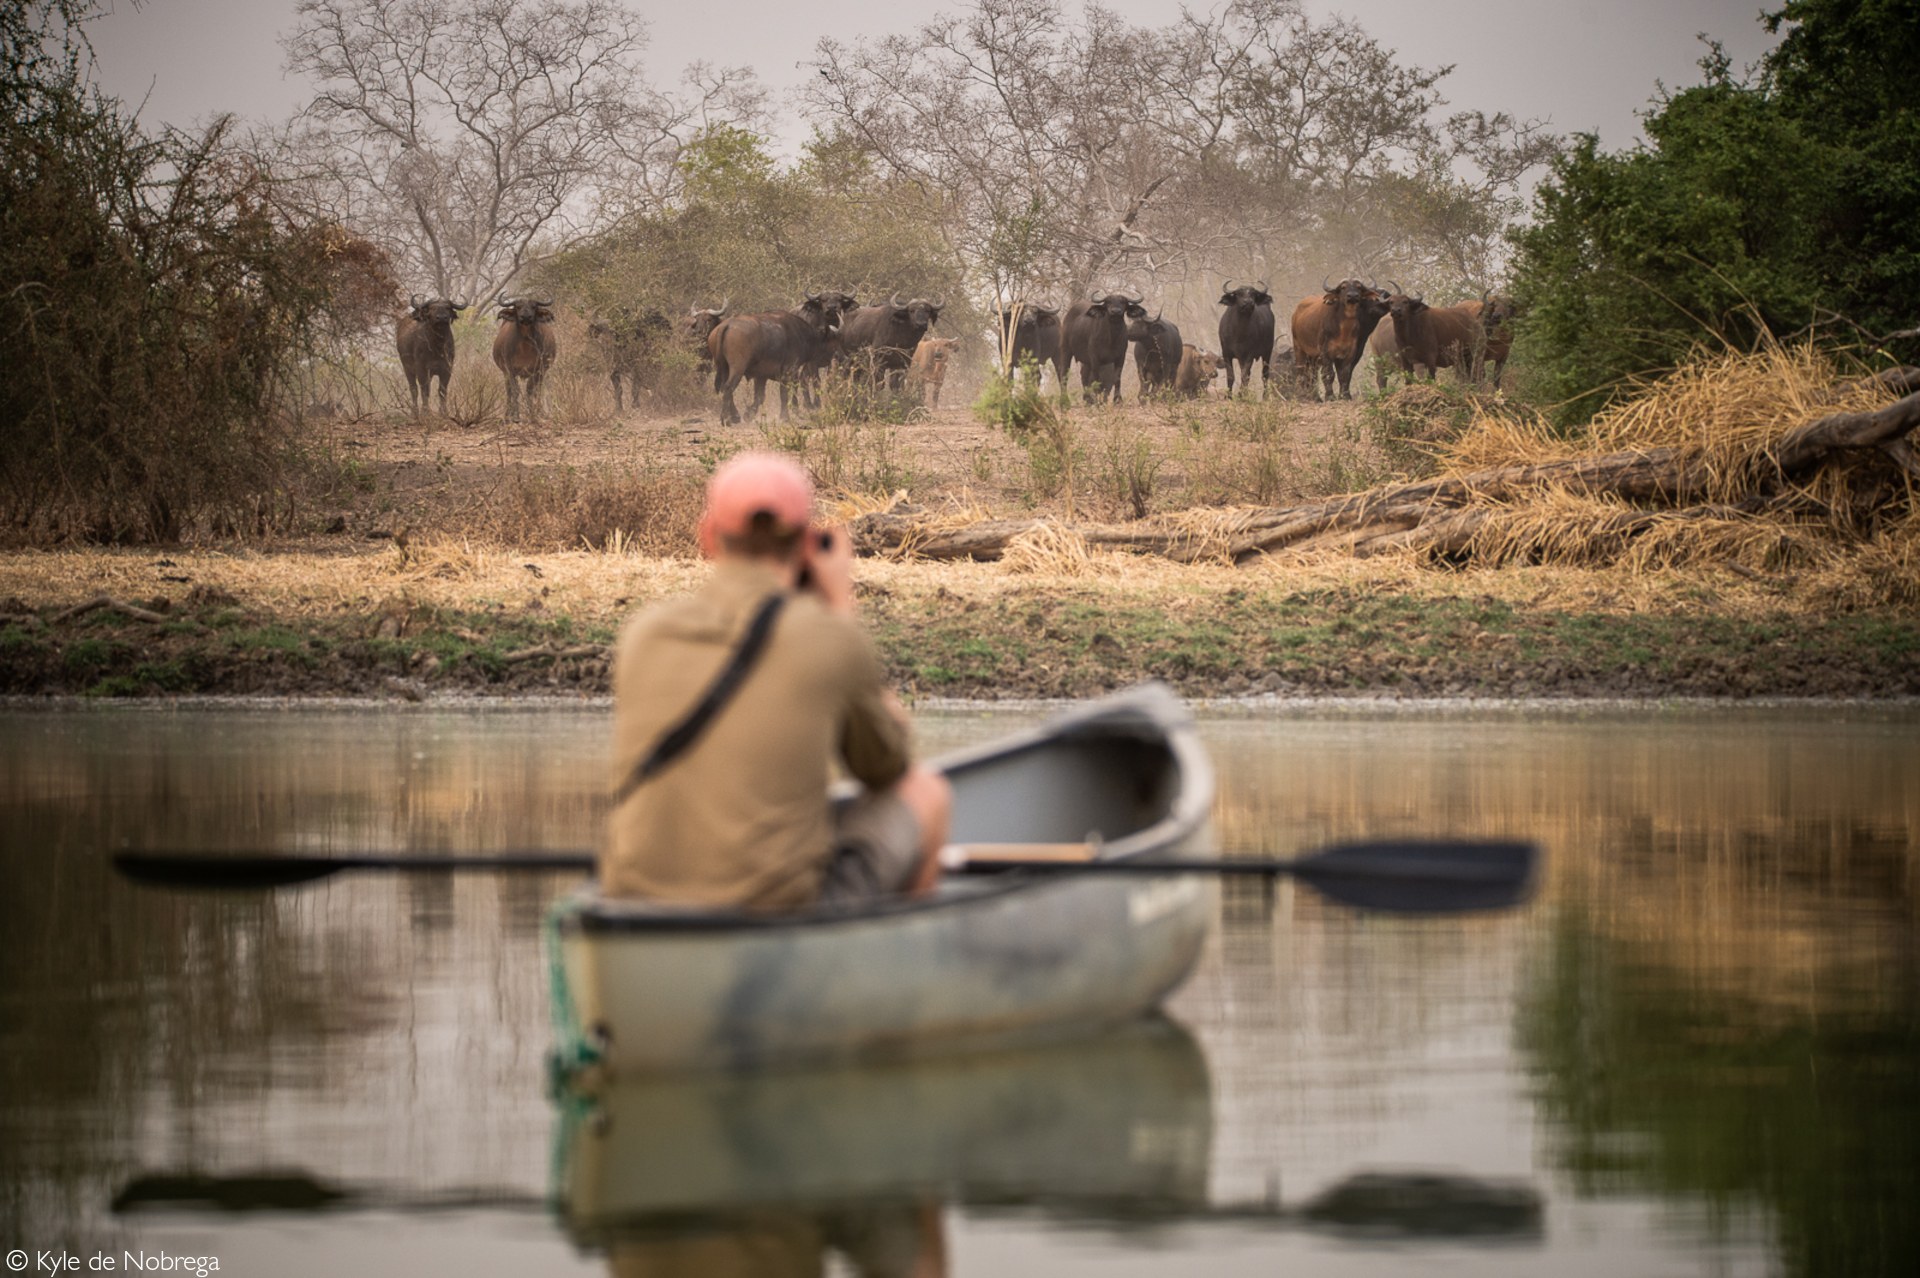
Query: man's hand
[[830, 567]]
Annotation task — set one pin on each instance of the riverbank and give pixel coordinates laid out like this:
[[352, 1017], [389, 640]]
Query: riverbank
[[452, 620]]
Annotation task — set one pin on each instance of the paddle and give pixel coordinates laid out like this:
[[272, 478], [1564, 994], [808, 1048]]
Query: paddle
[[1400, 876]]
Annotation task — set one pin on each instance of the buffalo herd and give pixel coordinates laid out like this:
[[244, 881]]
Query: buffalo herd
[[891, 344]]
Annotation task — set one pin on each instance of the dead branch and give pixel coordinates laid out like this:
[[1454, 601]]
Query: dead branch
[[108, 601]]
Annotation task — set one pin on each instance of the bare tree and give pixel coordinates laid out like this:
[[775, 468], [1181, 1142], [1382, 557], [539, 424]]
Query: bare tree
[[1248, 138], [473, 137], [1024, 132]]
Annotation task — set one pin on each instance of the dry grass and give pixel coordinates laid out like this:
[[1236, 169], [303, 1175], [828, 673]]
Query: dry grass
[[1053, 550]]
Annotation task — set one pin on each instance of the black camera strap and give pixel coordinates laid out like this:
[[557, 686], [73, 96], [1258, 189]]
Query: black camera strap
[[675, 741]]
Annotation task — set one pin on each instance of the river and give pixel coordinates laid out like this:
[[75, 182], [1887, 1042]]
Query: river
[[1697, 1052]]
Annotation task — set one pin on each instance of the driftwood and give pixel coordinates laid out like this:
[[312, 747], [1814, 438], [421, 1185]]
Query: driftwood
[[108, 601], [554, 652], [1441, 515]]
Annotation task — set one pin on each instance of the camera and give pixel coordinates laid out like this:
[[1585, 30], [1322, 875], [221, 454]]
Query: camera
[[822, 541]]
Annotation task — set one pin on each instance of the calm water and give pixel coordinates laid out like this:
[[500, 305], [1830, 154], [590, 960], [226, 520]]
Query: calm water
[[1697, 1053]]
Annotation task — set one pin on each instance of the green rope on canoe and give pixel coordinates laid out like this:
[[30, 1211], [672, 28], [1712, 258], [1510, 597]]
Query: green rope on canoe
[[573, 1051]]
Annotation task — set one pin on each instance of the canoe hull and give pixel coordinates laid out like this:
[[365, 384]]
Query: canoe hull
[[982, 963]]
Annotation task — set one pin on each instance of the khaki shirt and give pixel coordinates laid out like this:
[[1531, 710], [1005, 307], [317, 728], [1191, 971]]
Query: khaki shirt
[[740, 819]]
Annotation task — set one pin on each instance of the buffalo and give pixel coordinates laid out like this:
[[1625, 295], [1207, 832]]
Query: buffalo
[[1094, 336], [1385, 349], [1330, 334], [788, 347], [424, 335], [1157, 350], [929, 369], [1031, 331], [1246, 333], [696, 326], [890, 333], [1197, 370], [632, 345], [524, 349], [1435, 337], [1496, 321]]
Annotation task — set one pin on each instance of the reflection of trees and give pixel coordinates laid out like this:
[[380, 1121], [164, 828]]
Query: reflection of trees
[[139, 1015], [1656, 1074]]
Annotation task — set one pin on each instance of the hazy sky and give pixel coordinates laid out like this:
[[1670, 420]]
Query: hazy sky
[[1583, 66]]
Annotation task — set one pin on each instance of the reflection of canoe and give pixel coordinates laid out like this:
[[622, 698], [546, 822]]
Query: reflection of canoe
[[998, 958], [1122, 1119]]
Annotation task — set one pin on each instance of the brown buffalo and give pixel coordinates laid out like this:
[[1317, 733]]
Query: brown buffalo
[[1435, 337], [424, 335], [1197, 370], [1385, 349], [1330, 333], [788, 347], [523, 350], [1496, 320], [929, 368]]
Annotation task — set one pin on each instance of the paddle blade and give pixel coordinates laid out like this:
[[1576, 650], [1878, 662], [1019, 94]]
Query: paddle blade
[[1424, 876], [186, 870]]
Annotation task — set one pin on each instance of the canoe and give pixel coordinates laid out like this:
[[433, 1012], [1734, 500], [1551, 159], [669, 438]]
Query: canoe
[[984, 961]]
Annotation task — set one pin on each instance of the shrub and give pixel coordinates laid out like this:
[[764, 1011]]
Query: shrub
[[155, 303]]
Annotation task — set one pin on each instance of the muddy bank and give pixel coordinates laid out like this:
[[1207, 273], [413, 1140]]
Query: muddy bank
[[116, 624]]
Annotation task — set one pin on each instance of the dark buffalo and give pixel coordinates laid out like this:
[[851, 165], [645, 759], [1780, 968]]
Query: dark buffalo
[[1156, 353], [888, 335], [1496, 321], [1030, 331], [788, 347], [632, 346], [1246, 333], [424, 335], [697, 325], [1330, 334], [524, 349], [1094, 336], [1435, 337]]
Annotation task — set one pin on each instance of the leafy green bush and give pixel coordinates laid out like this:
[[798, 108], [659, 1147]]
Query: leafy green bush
[[1758, 206]]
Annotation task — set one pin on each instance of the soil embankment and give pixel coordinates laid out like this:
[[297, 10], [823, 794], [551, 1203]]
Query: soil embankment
[[453, 621]]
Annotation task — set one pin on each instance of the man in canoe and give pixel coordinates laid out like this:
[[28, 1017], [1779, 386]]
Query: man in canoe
[[730, 707]]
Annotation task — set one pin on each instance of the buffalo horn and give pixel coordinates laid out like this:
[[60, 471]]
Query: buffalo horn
[[1227, 287], [413, 301], [1098, 298], [1134, 298], [1324, 286], [1395, 286], [458, 307], [895, 302], [1260, 286], [940, 305]]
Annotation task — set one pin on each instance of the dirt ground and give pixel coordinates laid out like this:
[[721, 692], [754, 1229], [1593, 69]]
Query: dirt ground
[[449, 559], [491, 480]]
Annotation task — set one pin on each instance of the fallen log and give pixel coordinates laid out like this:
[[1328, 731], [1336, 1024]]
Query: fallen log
[[1441, 514]]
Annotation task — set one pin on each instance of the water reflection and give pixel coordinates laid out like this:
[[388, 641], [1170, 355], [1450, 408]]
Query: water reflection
[[1697, 1054]]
